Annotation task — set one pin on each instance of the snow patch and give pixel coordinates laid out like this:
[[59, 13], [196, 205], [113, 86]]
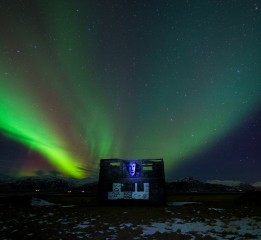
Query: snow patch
[[216, 209], [125, 225], [83, 224], [216, 229], [40, 202]]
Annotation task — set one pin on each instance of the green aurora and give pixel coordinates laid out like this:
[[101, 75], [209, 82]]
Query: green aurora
[[60, 97]]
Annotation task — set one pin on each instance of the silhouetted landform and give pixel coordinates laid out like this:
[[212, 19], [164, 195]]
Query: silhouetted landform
[[48, 184], [191, 185], [62, 184], [251, 198]]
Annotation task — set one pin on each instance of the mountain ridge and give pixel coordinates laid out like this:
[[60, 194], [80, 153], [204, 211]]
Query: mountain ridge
[[61, 184]]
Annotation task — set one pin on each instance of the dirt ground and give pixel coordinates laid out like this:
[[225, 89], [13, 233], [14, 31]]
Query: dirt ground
[[79, 216]]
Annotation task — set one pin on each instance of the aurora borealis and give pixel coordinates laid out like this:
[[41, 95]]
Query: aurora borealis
[[85, 80]]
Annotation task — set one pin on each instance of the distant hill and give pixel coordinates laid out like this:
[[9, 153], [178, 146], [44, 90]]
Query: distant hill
[[192, 185], [251, 198], [41, 183], [61, 184]]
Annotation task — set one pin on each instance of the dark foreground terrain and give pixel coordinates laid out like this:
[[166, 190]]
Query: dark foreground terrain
[[78, 216]]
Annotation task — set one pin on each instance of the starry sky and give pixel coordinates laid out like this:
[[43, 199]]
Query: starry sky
[[174, 79]]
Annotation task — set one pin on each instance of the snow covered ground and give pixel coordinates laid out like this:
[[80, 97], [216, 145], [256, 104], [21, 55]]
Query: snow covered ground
[[234, 229], [180, 220]]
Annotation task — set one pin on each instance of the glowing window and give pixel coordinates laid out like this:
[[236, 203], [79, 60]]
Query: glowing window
[[147, 167], [115, 164]]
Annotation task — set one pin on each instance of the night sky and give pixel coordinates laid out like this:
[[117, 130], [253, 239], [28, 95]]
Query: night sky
[[85, 80]]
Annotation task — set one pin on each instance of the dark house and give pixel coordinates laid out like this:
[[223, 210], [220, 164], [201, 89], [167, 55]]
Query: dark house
[[140, 180]]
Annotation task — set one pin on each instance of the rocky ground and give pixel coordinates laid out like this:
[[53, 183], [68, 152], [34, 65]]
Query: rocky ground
[[80, 217]]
